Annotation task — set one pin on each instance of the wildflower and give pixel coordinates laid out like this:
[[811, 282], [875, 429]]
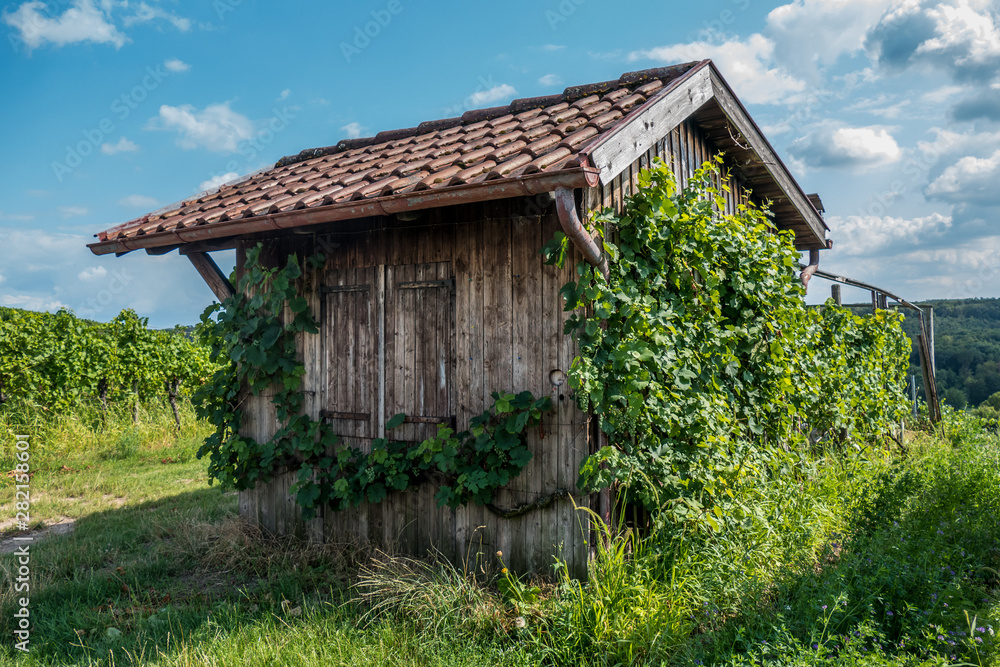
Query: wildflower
[[520, 622], [824, 607], [940, 638], [888, 613], [499, 554], [979, 640], [504, 570], [980, 629], [815, 647]]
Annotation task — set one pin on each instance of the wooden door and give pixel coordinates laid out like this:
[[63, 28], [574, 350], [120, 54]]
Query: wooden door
[[352, 343], [388, 336], [419, 348]]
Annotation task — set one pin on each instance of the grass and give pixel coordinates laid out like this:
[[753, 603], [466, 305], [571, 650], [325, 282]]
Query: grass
[[830, 559]]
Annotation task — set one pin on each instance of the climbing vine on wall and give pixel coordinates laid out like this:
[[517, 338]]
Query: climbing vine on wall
[[253, 338], [699, 356]]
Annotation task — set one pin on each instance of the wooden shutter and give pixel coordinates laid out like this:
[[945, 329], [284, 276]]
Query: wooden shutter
[[419, 347], [351, 305]]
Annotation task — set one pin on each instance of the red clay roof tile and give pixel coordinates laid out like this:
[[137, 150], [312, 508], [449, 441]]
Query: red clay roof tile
[[530, 135]]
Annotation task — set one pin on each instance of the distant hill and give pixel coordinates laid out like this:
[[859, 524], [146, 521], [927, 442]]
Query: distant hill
[[967, 348]]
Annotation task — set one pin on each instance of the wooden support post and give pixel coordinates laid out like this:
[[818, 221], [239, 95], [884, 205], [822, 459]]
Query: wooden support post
[[930, 337], [874, 301], [930, 388], [212, 274], [835, 293], [913, 394]]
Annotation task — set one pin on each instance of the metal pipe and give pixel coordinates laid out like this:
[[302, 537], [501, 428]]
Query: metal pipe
[[570, 221], [866, 286], [810, 268]]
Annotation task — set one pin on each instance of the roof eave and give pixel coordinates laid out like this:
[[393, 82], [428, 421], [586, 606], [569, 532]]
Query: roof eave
[[522, 186]]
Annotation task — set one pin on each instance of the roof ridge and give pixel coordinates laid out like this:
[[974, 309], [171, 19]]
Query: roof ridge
[[569, 95]]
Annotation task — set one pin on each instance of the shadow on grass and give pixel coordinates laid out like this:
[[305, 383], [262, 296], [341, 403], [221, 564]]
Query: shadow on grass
[[137, 579]]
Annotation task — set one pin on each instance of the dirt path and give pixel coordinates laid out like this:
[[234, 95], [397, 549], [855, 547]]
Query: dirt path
[[9, 544]]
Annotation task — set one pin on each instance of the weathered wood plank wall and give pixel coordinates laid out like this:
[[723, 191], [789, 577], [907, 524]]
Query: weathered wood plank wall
[[500, 330], [685, 149]]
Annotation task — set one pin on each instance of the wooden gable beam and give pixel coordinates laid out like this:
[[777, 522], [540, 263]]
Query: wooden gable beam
[[212, 274], [621, 148], [702, 86]]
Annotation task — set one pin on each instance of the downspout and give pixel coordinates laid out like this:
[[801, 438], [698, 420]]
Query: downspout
[[573, 228], [811, 268], [585, 243]]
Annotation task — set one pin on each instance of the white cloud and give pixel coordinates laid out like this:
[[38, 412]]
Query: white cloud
[[808, 34], [92, 273], [885, 106], [123, 145], [353, 130], [72, 211], [949, 142], [216, 128], [962, 36], [971, 180], [82, 22], [22, 217], [748, 66], [869, 234], [942, 94], [176, 65], [2, 279], [829, 145], [146, 14], [553, 47], [138, 201], [218, 181], [30, 302], [550, 80], [971, 36], [284, 95], [497, 93]]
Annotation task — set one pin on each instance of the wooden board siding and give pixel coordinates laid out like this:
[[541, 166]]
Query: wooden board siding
[[684, 149], [445, 350]]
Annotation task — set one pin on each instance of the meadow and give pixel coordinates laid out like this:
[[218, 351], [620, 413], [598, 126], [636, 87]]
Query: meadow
[[854, 555]]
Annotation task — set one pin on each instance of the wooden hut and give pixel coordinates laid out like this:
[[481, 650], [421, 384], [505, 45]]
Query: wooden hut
[[434, 293]]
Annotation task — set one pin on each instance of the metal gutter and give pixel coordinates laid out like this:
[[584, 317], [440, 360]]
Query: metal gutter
[[522, 186]]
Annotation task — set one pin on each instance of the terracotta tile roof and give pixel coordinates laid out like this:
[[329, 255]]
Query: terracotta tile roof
[[528, 139]]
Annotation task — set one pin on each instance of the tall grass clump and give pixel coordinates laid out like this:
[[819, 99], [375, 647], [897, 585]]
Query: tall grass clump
[[913, 578]]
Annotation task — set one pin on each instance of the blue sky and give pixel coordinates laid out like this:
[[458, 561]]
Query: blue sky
[[890, 109]]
